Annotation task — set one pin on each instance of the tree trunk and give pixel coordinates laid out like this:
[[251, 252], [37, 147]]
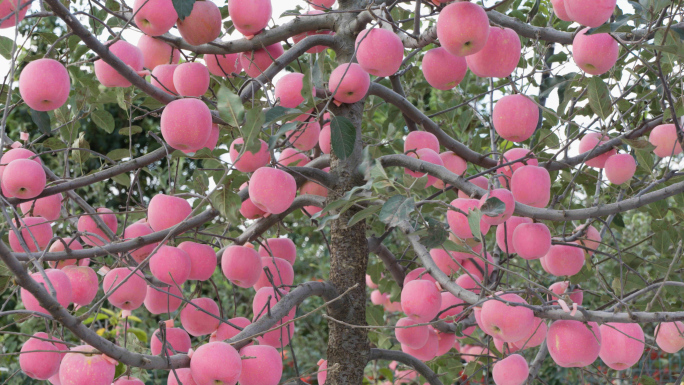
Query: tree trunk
[[348, 347]]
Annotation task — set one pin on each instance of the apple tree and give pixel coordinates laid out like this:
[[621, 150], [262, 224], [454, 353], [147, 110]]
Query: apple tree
[[346, 192]]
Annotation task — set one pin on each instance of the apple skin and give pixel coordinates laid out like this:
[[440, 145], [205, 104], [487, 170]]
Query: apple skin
[[414, 337], [37, 364], [223, 65], [131, 294], [670, 336], [621, 344], [225, 331], [44, 84], [515, 117], [154, 17], [84, 284], [35, 231], [186, 124], [215, 363], [198, 323], [620, 168], [379, 51], [157, 52], [591, 13], [421, 300], [203, 260], [507, 322], [595, 54], [159, 301], [463, 28], [531, 185], [532, 240], [241, 265], [86, 223], [24, 179], [16, 153], [48, 207], [453, 163], [162, 78], [203, 25], [572, 344], [256, 62], [265, 369], [272, 190], [166, 211], [178, 338], [562, 260], [349, 83], [250, 16], [81, 369], [500, 55], [458, 223], [507, 198], [591, 141], [7, 7], [416, 140], [512, 370], [191, 79], [126, 52], [663, 137], [443, 70]]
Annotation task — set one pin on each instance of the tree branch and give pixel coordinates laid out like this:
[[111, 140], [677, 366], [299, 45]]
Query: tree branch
[[407, 359]]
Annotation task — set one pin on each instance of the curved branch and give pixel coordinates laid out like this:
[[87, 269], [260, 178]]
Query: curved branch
[[407, 359], [284, 60], [526, 30], [376, 247], [283, 307], [98, 176], [529, 211], [121, 247]]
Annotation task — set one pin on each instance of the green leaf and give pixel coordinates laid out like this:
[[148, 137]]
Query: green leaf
[[122, 179], [450, 245], [363, 214], [640, 144], [42, 120], [140, 334], [230, 107], [474, 217], [375, 315], [54, 143], [436, 235], [272, 141], [120, 369], [280, 113], [306, 92], [599, 97], [6, 47], [342, 137], [104, 120], [118, 154], [493, 207], [549, 139], [183, 8], [396, 210], [228, 204], [646, 380], [132, 130], [251, 129], [80, 142]]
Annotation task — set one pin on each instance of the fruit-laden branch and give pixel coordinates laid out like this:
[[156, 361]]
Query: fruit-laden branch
[[471, 156], [283, 307], [101, 50], [546, 312], [376, 247], [548, 34], [61, 315], [406, 359], [122, 247], [284, 60], [99, 176], [528, 211], [275, 35]]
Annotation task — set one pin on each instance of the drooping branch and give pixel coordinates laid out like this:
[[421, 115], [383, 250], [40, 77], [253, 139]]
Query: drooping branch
[[99, 176], [529, 211], [407, 359], [122, 247], [376, 247]]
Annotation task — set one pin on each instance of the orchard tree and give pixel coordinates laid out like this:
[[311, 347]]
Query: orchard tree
[[360, 192]]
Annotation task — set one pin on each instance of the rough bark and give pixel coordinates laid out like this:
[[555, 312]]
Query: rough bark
[[348, 347]]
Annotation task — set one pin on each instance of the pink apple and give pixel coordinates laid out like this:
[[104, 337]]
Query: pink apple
[[500, 55], [622, 344], [515, 117], [588, 144], [573, 344], [410, 335], [512, 370], [272, 190], [453, 163], [255, 63], [35, 231], [458, 223], [443, 70], [215, 363], [191, 79], [620, 168], [559, 10], [16, 153], [463, 28], [203, 25], [131, 294], [195, 321], [163, 300], [508, 323], [165, 211], [241, 265], [90, 368], [44, 84], [176, 339], [427, 351], [154, 17], [84, 284], [426, 155], [532, 240], [223, 65], [349, 83], [594, 54], [420, 300], [48, 207], [226, 331], [292, 157], [135, 231], [250, 16], [24, 179], [162, 78], [670, 336], [203, 260], [379, 51], [531, 185], [504, 196], [41, 364], [663, 137], [186, 124], [265, 368], [156, 52], [416, 140], [247, 161], [280, 248], [170, 265], [591, 13], [126, 52]]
